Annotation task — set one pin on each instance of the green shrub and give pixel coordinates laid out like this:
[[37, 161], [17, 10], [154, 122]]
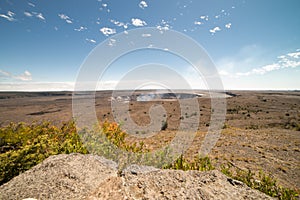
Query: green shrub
[[23, 146], [264, 183], [199, 163]]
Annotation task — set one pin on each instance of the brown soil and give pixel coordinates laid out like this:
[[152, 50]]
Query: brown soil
[[261, 131]]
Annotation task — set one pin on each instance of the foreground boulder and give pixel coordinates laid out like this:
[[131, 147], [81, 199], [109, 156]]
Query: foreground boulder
[[77, 176]]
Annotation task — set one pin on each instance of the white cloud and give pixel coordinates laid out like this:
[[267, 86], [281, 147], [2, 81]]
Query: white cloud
[[112, 42], [223, 73], [294, 54], [204, 17], [104, 7], [138, 22], [261, 70], [37, 86], [289, 60], [26, 76], [6, 17], [107, 31], [66, 18], [163, 26], [228, 25], [81, 28], [4, 73], [90, 40], [39, 16], [198, 23], [28, 14], [214, 30], [31, 4], [98, 21], [146, 35], [117, 23], [9, 16], [143, 4]]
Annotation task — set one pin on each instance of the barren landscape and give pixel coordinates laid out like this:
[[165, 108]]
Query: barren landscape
[[261, 130]]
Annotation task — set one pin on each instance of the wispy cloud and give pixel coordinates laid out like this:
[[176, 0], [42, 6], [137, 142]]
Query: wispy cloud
[[138, 22], [146, 35], [204, 17], [28, 14], [9, 16], [162, 28], [31, 4], [90, 40], [112, 42], [66, 18], [37, 86], [143, 4], [107, 31], [163, 25], [289, 60], [104, 6], [40, 16], [120, 24], [228, 25], [295, 55], [81, 28], [214, 30], [26, 76]]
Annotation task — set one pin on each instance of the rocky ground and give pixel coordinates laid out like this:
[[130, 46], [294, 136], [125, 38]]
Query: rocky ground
[[261, 130], [77, 176]]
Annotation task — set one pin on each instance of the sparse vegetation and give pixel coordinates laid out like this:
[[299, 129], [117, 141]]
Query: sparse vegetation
[[23, 146], [199, 163], [263, 182]]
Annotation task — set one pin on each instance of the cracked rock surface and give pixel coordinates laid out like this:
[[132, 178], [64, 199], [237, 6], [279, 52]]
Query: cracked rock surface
[[77, 176]]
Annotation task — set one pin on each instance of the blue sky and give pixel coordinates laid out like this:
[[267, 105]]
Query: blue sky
[[254, 44]]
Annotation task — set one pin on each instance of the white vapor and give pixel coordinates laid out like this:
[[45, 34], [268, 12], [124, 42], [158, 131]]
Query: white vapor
[[289, 60], [143, 4], [90, 40], [9, 16], [40, 16], [26, 76], [66, 18], [138, 22], [214, 30], [27, 14], [107, 31]]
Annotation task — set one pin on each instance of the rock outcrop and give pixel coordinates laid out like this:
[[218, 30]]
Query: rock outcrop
[[77, 176]]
